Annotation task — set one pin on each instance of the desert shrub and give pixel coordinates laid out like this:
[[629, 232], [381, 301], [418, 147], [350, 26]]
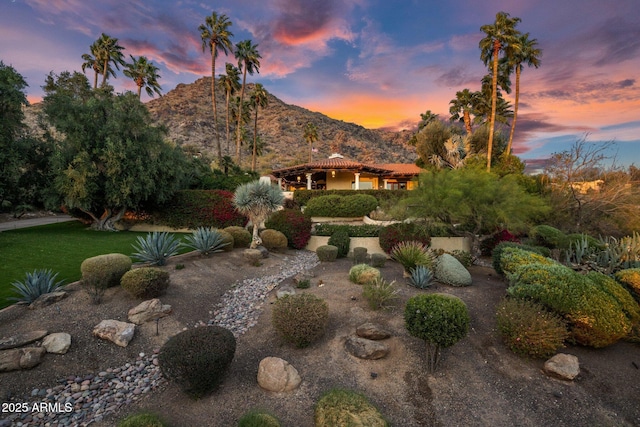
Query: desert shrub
[[465, 258], [346, 408], [303, 284], [361, 274], [300, 319], [378, 260], [355, 205], [365, 230], [143, 419], [227, 241], [145, 282], [489, 243], [631, 279], [205, 240], [197, 359], [108, 268], [528, 329], [499, 249], [421, 277], [327, 253], [390, 197], [258, 419], [440, 320], [155, 248], [628, 305], [35, 284], [549, 237], [379, 293], [359, 255], [450, 271], [340, 239], [241, 236], [393, 234], [293, 224], [513, 258], [273, 239], [412, 253]]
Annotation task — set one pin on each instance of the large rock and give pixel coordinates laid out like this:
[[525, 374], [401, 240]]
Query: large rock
[[120, 333], [372, 331], [20, 358], [363, 348], [254, 256], [450, 271], [22, 339], [48, 299], [147, 311], [57, 343], [275, 374], [562, 366]]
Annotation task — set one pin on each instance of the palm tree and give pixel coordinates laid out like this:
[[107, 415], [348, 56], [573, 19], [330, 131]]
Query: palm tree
[[90, 61], [215, 34], [230, 82], [240, 115], [257, 200], [310, 135], [249, 62], [145, 74], [498, 35], [107, 52], [464, 102], [258, 98], [524, 51]]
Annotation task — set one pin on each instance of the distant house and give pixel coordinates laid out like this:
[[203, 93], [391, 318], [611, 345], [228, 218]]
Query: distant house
[[338, 173]]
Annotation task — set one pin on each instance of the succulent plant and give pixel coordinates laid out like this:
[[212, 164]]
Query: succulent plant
[[36, 283], [421, 277], [205, 240], [156, 247]]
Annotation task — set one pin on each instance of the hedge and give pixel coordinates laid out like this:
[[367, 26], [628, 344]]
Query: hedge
[[366, 230], [303, 196]]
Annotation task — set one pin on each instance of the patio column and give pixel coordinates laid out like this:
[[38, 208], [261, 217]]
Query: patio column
[[385, 184], [280, 183], [308, 181], [357, 174]]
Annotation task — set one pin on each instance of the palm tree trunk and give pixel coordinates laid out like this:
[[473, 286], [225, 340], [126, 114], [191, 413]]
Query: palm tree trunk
[[139, 92], [494, 101], [515, 111], [104, 73], [467, 121], [95, 80], [255, 141], [244, 79], [214, 103], [228, 97]]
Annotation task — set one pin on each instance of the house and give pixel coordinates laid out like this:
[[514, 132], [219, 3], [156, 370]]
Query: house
[[338, 173]]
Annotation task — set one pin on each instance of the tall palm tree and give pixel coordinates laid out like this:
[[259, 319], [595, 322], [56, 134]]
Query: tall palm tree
[[463, 103], [230, 82], [90, 61], [215, 34], [107, 52], [145, 74], [310, 135], [249, 62], [498, 35], [259, 98], [240, 113], [523, 51]]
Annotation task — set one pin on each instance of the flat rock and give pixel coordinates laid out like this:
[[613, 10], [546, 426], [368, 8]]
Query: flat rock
[[147, 311], [284, 291], [252, 255], [372, 331], [22, 339], [275, 374], [120, 333], [363, 348], [57, 343], [48, 299], [20, 358], [562, 366]]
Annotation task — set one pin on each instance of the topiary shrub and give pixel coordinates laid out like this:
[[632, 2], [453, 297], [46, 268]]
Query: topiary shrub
[[438, 319], [300, 319], [631, 279], [227, 241], [488, 244], [346, 408], [549, 237], [293, 224], [241, 236], [108, 269], [512, 259], [378, 260], [197, 359], [145, 282], [499, 249], [356, 205], [359, 255], [327, 253], [628, 305], [528, 329], [143, 419], [341, 240], [393, 234], [362, 274], [274, 240], [258, 419]]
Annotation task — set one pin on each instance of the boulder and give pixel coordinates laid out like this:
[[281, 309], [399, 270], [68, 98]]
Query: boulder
[[284, 291], [302, 276], [372, 331], [147, 311], [48, 299], [275, 374], [450, 271], [562, 366], [20, 358], [363, 348], [252, 255], [21, 339], [57, 343], [115, 331]]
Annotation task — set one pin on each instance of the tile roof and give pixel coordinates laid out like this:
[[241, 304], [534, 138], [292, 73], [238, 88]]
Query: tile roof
[[340, 163], [401, 168]]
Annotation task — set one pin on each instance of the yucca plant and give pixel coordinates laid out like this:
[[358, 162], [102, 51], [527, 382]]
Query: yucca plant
[[36, 283], [379, 293], [205, 240], [257, 200], [411, 254], [421, 277], [156, 247]]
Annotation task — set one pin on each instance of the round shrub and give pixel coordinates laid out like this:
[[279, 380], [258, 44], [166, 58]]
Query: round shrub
[[631, 279], [361, 274], [450, 271], [258, 419], [549, 237], [293, 224], [300, 319], [512, 259], [106, 269], [499, 249], [228, 239], [393, 234], [197, 359], [530, 330], [241, 236], [346, 408], [145, 282], [356, 205], [274, 240], [143, 419], [327, 253], [341, 240], [628, 305], [378, 260]]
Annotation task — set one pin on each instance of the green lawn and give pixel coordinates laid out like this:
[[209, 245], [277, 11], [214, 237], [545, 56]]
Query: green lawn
[[60, 247]]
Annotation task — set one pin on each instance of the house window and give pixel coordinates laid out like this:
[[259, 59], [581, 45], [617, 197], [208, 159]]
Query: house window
[[364, 185], [397, 185]]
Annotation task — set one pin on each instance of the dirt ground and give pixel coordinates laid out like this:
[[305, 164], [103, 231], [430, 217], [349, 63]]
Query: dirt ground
[[478, 383]]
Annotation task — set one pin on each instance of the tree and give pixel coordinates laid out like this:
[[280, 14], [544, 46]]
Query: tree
[[216, 35], [523, 51], [463, 103], [430, 141], [257, 200], [107, 51], [230, 82], [145, 74], [249, 62], [498, 35], [90, 61], [259, 98], [310, 135], [109, 158]]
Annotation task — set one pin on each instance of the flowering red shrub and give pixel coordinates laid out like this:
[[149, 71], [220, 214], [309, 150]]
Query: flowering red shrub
[[488, 244], [293, 224], [393, 234]]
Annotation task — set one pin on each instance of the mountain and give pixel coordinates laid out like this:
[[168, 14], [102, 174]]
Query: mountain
[[187, 113]]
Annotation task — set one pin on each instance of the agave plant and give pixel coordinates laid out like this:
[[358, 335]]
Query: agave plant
[[37, 283], [411, 254], [155, 247], [205, 240], [421, 277]]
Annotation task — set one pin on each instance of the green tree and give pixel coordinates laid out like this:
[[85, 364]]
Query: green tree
[[216, 35], [257, 200], [230, 82], [145, 74], [107, 51], [249, 62], [259, 98], [431, 140], [463, 103], [110, 158], [498, 35], [90, 61], [310, 135]]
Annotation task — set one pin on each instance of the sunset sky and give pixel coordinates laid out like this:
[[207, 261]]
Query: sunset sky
[[377, 63]]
